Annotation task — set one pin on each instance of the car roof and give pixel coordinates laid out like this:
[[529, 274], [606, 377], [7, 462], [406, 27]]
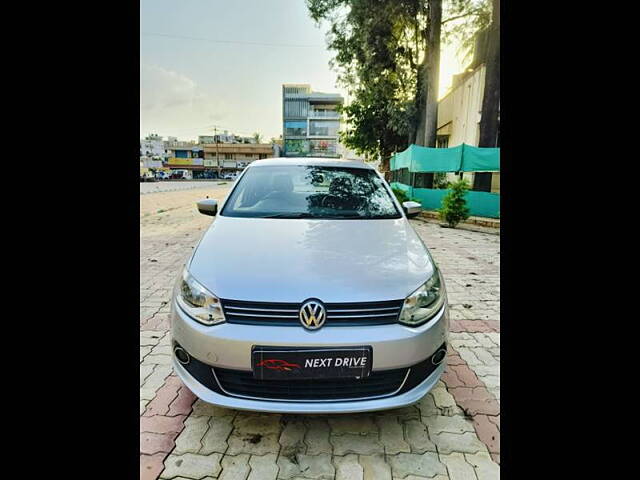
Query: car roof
[[309, 161]]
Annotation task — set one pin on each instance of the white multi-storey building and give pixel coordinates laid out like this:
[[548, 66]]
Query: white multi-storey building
[[310, 122]]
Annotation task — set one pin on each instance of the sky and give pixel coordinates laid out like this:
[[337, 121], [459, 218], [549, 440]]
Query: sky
[[215, 63]]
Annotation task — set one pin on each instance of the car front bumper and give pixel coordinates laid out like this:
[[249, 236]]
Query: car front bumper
[[228, 346], [351, 406]]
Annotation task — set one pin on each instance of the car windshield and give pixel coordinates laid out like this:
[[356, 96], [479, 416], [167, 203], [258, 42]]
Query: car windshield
[[297, 191]]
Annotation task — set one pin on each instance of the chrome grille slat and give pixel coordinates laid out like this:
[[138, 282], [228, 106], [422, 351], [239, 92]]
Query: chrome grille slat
[[397, 309], [267, 316], [262, 309], [287, 314]]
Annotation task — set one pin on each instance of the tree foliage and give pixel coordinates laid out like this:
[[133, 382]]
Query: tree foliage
[[380, 47]]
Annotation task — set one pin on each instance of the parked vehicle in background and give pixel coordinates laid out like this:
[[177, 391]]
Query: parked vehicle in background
[[182, 175], [162, 175], [146, 175], [230, 176], [315, 317]]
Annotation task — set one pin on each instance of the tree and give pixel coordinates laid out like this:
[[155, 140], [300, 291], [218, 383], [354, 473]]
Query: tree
[[257, 137], [490, 115], [387, 57], [454, 206]]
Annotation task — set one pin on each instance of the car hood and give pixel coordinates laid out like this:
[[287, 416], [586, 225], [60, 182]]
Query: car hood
[[291, 260]]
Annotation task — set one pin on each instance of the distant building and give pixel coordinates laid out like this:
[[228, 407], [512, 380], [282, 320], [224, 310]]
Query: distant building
[[232, 157], [460, 109], [152, 146], [310, 122], [225, 137]]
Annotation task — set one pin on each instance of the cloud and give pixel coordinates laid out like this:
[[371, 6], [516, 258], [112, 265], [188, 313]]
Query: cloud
[[161, 88], [171, 101]]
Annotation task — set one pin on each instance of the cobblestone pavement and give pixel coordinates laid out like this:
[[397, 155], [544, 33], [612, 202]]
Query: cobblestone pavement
[[452, 433]]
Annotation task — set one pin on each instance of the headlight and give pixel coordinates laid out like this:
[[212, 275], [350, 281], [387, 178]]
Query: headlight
[[424, 303], [200, 304]]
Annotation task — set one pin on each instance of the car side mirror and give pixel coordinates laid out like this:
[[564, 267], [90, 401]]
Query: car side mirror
[[208, 207], [411, 209]]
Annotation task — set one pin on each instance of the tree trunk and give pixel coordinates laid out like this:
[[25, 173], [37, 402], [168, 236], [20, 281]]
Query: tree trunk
[[433, 72], [489, 119], [421, 103]]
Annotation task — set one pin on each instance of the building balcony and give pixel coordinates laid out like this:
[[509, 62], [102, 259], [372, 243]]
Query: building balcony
[[323, 114]]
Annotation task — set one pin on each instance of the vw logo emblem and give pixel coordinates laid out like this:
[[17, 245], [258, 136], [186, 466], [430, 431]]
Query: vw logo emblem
[[312, 314]]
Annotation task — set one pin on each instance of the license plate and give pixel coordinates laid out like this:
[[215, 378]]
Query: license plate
[[302, 363]]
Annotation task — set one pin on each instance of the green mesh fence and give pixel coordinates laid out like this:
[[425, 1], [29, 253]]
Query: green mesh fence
[[463, 158]]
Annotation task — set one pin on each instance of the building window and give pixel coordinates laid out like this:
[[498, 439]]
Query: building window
[[442, 141], [403, 176], [228, 156], [423, 180], [327, 147], [295, 128], [323, 128]]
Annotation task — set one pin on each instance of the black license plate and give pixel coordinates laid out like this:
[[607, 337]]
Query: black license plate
[[303, 363]]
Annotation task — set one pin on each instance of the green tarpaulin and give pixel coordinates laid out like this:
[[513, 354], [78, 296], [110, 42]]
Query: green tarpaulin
[[481, 204], [463, 158]]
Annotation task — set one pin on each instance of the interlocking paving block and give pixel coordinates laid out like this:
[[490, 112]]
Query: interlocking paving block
[[235, 468], [485, 356], [391, 435], [292, 437], [190, 438], [145, 371], [255, 434], [152, 443], [162, 424], [375, 468], [458, 467], [209, 410], [151, 466], [159, 359], [157, 377], [317, 436], [455, 424], [427, 406], [485, 467], [147, 394], [308, 466], [404, 413], [361, 444], [418, 437], [191, 465], [425, 464], [215, 440], [357, 423], [454, 442], [263, 467], [348, 468], [469, 356], [444, 401]]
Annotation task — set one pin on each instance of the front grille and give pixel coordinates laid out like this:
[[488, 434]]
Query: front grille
[[286, 314], [377, 384]]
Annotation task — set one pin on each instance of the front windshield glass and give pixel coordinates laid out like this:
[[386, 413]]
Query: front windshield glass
[[297, 191]]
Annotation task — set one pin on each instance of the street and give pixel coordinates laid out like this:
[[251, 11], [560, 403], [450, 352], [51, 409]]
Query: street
[[172, 186], [452, 433]]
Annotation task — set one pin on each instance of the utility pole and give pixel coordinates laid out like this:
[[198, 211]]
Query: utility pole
[[215, 138]]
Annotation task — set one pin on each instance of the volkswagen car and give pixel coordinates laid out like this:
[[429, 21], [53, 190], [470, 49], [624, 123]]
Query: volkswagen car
[[310, 293]]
